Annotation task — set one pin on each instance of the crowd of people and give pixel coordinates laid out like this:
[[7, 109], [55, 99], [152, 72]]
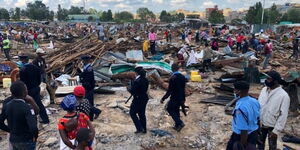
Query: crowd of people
[[253, 119]]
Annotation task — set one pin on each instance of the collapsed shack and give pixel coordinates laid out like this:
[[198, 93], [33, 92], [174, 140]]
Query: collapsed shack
[[113, 62]]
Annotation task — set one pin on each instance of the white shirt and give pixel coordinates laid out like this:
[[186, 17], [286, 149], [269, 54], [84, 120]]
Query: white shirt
[[227, 50], [274, 108], [101, 30], [192, 59], [182, 51]]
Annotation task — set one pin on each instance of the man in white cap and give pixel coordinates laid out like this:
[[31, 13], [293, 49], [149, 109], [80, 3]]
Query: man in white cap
[[40, 62]]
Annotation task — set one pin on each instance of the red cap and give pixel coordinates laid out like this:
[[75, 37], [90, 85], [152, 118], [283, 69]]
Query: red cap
[[79, 91]]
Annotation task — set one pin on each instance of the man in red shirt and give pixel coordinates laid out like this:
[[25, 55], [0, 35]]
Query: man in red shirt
[[268, 53], [239, 41], [35, 35], [167, 35]]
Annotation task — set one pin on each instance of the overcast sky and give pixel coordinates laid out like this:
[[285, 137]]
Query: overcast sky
[[154, 5]]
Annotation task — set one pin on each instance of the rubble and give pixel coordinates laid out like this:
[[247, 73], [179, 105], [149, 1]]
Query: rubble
[[207, 126]]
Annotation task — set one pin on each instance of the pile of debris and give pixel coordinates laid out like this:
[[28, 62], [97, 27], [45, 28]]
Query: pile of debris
[[67, 58]]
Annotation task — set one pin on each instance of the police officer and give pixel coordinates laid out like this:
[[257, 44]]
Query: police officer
[[87, 80], [176, 90], [139, 90], [31, 76], [245, 119]]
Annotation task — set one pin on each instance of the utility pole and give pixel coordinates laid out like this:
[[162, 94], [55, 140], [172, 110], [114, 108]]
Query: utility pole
[[84, 2], [263, 12]]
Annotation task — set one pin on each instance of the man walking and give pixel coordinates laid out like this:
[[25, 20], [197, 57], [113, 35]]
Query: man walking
[[31, 76], [22, 124], [139, 90], [268, 53], [87, 80], [275, 104], [245, 118], [177, 92]]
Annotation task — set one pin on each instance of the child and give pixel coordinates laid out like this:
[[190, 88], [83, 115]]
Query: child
[[69, 125], [82, 104], [83, 138]]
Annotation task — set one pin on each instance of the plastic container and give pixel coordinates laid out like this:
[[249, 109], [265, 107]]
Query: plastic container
[[194, 73], [6, 82], [196, 78]]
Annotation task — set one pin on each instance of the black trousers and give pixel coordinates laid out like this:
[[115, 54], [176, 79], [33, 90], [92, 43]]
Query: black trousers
[[206, 63], [238, 46], [152, 47], [89, 94], [6, 52], [137, 114], [35, 94], [173, 109], [235, 138], [295, 54], [263, 134]]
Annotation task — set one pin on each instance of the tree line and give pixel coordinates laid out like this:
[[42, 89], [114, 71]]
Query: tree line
[[37, 10], [271, 15]]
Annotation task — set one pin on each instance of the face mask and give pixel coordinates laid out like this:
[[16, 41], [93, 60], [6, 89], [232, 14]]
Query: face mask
[[269, 84]]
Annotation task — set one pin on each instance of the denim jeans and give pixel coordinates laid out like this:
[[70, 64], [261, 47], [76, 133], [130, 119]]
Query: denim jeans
[[24, 146], [266, 60]]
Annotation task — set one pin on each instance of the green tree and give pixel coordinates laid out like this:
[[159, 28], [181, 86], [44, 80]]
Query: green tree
[[123, 16], [216, 17], [294, 15], [23, 13], [11, 12], [273, 15], [109, 15], [93, 11], [90, 18], [38, 11], [4, 14], [166, 17], [179, 17], [254, 14], [106, 16], [51, 15], [17, 14], [145, 14], [76, 10], [62, 14], [284, 17]]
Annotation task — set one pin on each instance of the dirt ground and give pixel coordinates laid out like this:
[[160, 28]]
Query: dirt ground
[[207, 126]]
